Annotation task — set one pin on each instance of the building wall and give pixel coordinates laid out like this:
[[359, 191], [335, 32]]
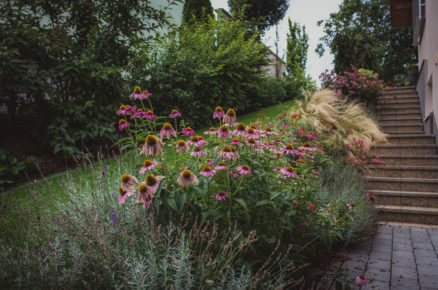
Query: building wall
[[274, 64], [428, 57]]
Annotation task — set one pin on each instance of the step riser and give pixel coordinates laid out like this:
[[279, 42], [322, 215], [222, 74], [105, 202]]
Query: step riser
[[400, 110], [404, 151], [403, 130], [409, 218], [407, 201], [417, 140], [403, 186], [400, 122], [410, 161], [391, 99], [399, 106], [403, 173], [395, 115]]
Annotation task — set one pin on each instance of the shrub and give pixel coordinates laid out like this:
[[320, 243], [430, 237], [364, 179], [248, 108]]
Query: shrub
[[272, 91], [201, 66]]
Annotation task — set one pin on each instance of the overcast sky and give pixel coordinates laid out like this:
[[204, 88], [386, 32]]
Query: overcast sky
[[308, 13]]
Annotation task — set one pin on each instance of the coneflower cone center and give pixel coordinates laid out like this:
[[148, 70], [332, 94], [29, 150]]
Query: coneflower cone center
[[147, 163], [167, 126], [137, 90], [186, 174], [151, 140], [142, 188], [151, 180], [125, 178]]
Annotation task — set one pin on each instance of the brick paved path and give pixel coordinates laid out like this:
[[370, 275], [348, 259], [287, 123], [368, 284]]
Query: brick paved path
[[398, 257]]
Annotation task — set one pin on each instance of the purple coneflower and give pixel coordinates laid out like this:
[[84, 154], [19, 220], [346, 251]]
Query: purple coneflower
[[187, 178], [223, 132], [306, 146], [153, 146], [128, 183], [167, 131], [147, 165], [188, 131], [139, 95], [234, 173], [210, 161], [211, 131], [218, 113], [207, 171], [269, 145], [240, 130], [143, 196], [122, 110], [149, 115], [361, 280], [123, 195], [252, 142], [221, 195], [123, 124], [152, 183], [251, 133], [288, 172], [181, 146], [235, 141], [221, 166], [269, 131], [198, 141], [244, 170], [230, 117], [228, 152], [174, 114], [289, 149], [197, 152]]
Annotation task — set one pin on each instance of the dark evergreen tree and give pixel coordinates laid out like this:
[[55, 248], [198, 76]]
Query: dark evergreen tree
[[197, 10]]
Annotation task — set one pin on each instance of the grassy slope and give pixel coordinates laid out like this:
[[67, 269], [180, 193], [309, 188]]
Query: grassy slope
[[52, 188]]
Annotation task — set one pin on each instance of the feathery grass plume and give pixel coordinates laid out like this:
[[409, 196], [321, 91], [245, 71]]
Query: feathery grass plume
[[325, 111]]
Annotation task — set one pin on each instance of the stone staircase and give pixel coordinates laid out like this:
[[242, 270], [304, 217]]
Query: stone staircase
[[406, 187]]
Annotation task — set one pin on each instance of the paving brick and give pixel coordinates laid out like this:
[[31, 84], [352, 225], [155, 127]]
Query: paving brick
[[380, 274], [430, 281], [376, 285], [428, 269], [424, 253], [424, 245], [380, 256], [404, 284], [379, 241], [426, 261], [402, 247], [404, 272]]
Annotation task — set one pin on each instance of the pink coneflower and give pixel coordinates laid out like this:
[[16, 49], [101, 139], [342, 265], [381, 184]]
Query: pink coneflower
[[234, 173], [188, 131], [278, 141], [128, 183], [306, 146], [288, 172], [269, 145], [149, 115], [251, 133], [269, 131], [181, 146], [197, 152], [147, 165], [221, 166], [240, 130], [361, 280], [174, 114], [218, 113], [139, 95], [221, 195], [123, 124], [371, 197], [152, 183], [153, 146], [223, 132], [123, 195], [122, 110], [244, 170], [289, 149], [187, 178], [130, 110], [210, 161], [252, 142], [138, 114], [143, 195], [167, 131], [229, 153], [211, 131], [198, 141], [230, 117], [207, 171], [235, 141]]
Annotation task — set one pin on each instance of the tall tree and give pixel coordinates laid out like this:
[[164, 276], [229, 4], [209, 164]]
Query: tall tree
[[197, 10], [261, 14], [296, 56], [360, 33]]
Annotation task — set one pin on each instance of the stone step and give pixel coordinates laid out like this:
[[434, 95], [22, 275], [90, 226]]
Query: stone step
[[384, 107], [402, 184], [402, 121], [411, 139], [401, 149], [406, 160], [402, 129], [429, 172], [392, 115], [411, 109], [402, 90], [394, 98], [402, 224], [406, 198], [408, 214]]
